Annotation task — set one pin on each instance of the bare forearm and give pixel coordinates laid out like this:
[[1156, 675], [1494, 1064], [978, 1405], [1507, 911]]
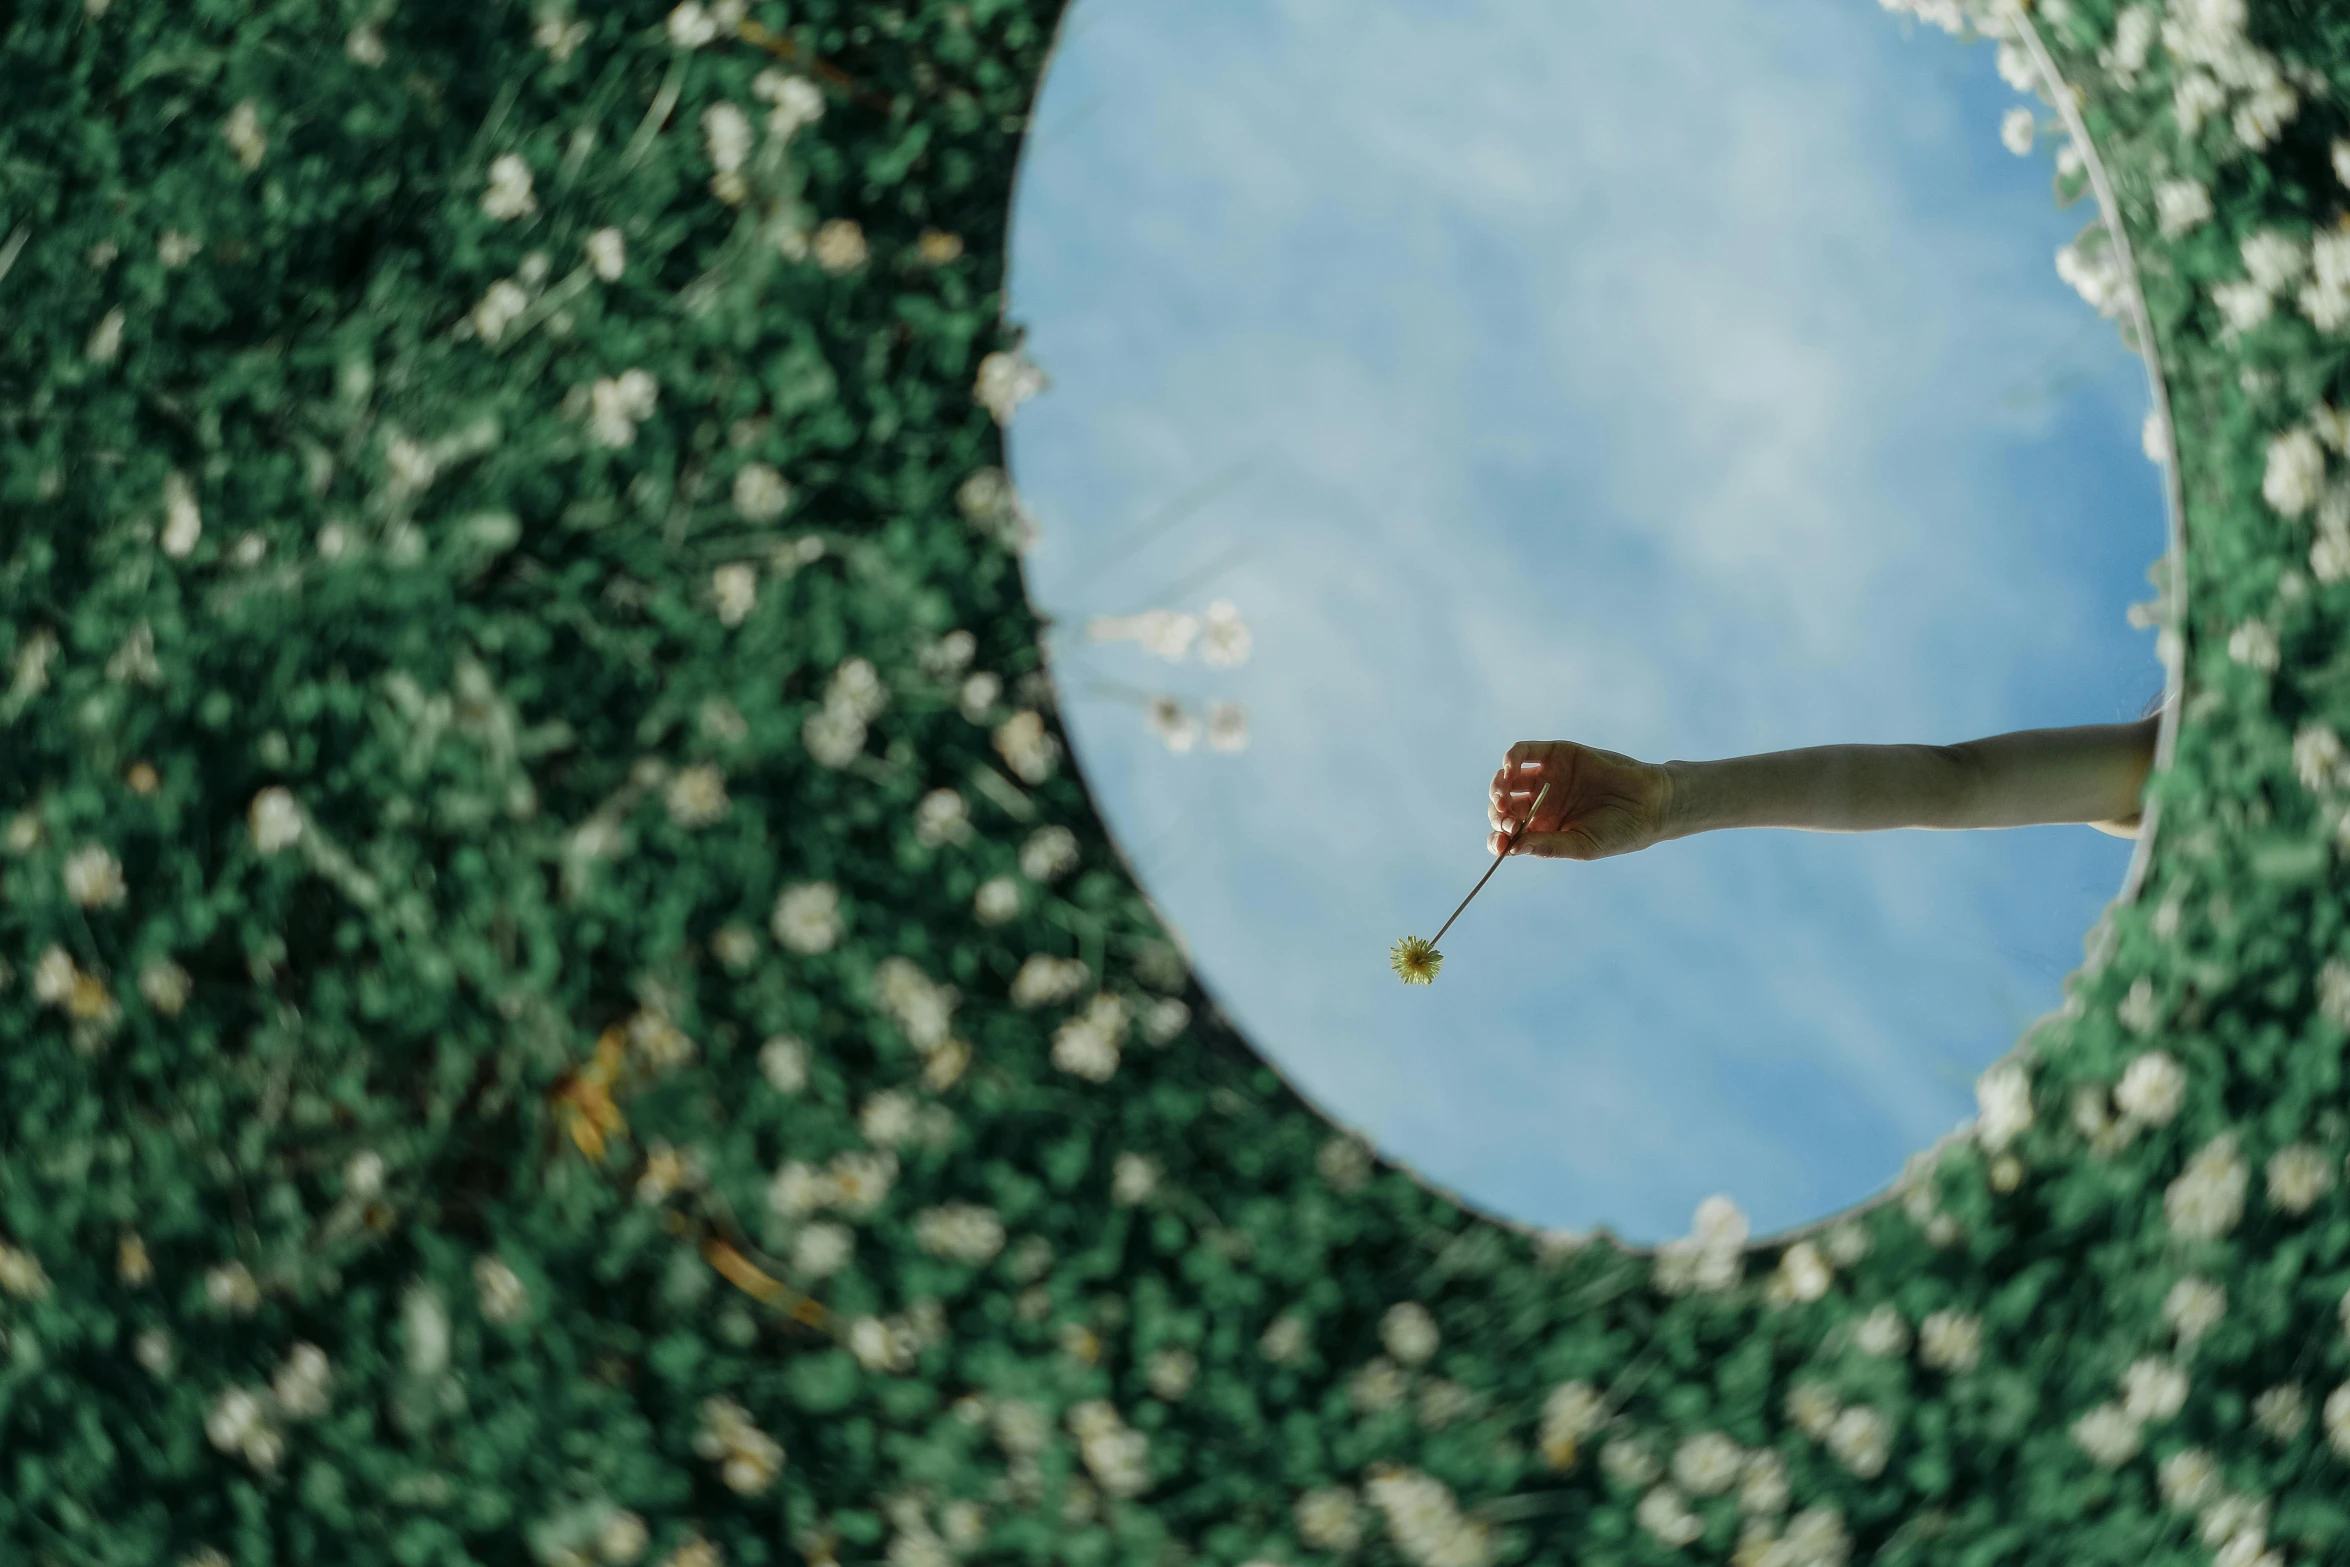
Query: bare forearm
[[2092, 773], [1822, 788]]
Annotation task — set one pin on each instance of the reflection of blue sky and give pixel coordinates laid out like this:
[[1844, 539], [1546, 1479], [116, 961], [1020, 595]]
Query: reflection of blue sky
[[1686, 391]]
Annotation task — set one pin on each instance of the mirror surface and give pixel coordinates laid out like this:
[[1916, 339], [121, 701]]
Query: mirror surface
[[1538, 371]]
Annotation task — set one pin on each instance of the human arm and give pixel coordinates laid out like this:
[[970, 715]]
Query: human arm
[[2090, 773]]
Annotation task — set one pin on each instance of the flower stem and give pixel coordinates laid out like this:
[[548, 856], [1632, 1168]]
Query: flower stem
[[1496, 865]]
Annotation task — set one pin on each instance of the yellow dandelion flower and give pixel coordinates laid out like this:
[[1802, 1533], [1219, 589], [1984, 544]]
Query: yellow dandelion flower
[[1416, 960]]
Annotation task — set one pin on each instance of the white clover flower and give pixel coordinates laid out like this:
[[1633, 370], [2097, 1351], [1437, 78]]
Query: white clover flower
[[364, 45], [961, 1232], [948, 656], [1227, 727], [503, 1297], [2152, 1089], [509, 194], [834, 736], [797, 102], [1087, 1045], [696, 797], [608, 253], [1812, 1409], [1409, 1332], [2188, 1479], [1951, 1340], [238, 1423], [1882, 1332], [1049, 853], [2274, 259], [1708, 1464], [183, 522], [783, 1061], [499, 308], [303, 1383], [1664, 1514], [1425, 1522], [2297, 1176], [2181, 206], [1174, 727], [2318, 758], [230, 1288], [1860, 1441], [2263, 117], [978, 696], [166, 986], [2133, 35], [1804, 1273], [1006, 380], [1571, 1412], [55, 977], [1284, 1340], [690, 26], [1170, 1372], [922, 1008], [2206, 1201], [618, 404], [997, 901], [1027, 747], [561, 39], [2090, 266], [860, 1179], [1117, 1456], [798, 1189], [2282, 1411], [2193, 1308], [760, 493], [93, 878], [1762, 1489], [1627, 1461], [2194, 99], [2153, 1389], [2336, 1415], [1344, 1162], [242, 131], [1165, 1019], [2015, 66], [2108, 1435], [822, 1249], [839, 246], [2017, 131], [735, 587], [2003, 1096], [2244, 304], [942, 817], [152, 1350], [726, 131], [2255, 643], [21, 1273], [807, 917], [888, 1118], [624, 1535], [1132, 1178]]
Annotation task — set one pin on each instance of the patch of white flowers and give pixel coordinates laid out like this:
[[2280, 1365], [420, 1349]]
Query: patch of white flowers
[[509, 195], [1711, 1257], [618, 404], [835, 733], [807, 917], [1087, 1045], [2207, 1200]]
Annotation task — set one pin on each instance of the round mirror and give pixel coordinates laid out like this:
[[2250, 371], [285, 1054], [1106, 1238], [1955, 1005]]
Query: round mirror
[[1418, 387]]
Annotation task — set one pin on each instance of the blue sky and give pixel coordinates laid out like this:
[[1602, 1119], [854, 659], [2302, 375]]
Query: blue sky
[[1527, 371]]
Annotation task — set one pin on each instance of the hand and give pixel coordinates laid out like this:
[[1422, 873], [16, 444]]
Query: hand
[[1600, 803]]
